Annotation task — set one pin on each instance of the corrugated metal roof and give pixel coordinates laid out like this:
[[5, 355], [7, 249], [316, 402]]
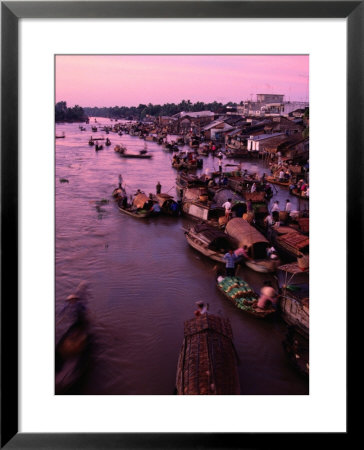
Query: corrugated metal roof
[[261, 137]]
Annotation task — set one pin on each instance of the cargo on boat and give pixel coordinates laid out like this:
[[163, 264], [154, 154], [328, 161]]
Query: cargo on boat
[[207, 363], [209, 241], [279, 182], [241, 295], [291, 242], [257, 245], [140, 208]]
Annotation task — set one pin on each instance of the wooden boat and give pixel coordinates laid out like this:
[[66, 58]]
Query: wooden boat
[[210, 241], [119, 193], [133, 211], [245, 234], [291, 242], [297, 349], [108, 142], [203, 150], [237, 291], [91, 142], [73, 349], [167, 204], [136, 155], [138, 207], [207, 363], [150, 138], [294, 296], [194, 142], [275, 180], [233, 153], [98, 147], [195, 204], [119, 149], [94, 129], [60, 136], [185, 180], [299, 194], [187, 164]]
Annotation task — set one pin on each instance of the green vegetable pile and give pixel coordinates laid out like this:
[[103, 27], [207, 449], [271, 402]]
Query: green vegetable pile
[[238, 290]]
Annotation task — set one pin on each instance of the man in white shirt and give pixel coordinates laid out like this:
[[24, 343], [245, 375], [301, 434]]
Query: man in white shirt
[[288, 206], [227, 205], [275, 206]]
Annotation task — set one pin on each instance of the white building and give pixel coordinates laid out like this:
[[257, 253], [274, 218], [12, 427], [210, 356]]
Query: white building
[[253, 141]]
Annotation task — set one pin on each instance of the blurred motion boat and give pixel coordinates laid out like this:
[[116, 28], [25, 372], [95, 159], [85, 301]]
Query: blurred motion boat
[[72, 353]]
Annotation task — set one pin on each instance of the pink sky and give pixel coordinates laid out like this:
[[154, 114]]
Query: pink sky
[[128, 80]]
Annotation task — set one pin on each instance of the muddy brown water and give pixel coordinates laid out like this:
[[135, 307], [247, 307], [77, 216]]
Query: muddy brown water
[[143, 278]]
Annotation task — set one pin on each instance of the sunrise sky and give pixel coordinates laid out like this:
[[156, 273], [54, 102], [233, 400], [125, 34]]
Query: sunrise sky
[[117, 80]]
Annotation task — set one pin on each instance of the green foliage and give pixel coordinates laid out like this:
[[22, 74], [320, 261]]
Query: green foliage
[[64, 114], [142, 111]]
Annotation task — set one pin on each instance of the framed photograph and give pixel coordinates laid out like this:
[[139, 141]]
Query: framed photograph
[[107, 110]]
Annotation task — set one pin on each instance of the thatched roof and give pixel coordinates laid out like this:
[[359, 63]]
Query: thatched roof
[[162, 198], [211, 233], [140, 200], [207, 363], [193, 194], [294, 239], [243, 232], [222, 195]]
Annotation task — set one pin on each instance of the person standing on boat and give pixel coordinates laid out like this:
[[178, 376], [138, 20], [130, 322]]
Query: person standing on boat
[[227, 205], [158, 188], [230, 259], [275, 206], [120, 180], [288, 207], [253, 188]]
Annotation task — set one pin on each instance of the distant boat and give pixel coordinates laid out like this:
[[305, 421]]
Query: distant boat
[[60, 136], [123, 153]]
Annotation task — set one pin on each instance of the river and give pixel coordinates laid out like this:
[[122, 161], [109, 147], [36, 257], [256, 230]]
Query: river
[[143, 278]]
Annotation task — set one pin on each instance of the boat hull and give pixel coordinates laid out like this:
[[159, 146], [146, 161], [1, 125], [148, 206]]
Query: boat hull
[[263, 266], [194, 243], [137, 215]]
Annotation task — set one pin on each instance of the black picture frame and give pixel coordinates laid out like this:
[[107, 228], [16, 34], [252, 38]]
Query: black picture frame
[[11, 12]]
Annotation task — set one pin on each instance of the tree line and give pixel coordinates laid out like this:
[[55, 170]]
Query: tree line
[[65, 114], [142, 111]]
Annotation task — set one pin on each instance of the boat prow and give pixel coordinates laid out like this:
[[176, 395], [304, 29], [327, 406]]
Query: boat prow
[[207, 363]]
